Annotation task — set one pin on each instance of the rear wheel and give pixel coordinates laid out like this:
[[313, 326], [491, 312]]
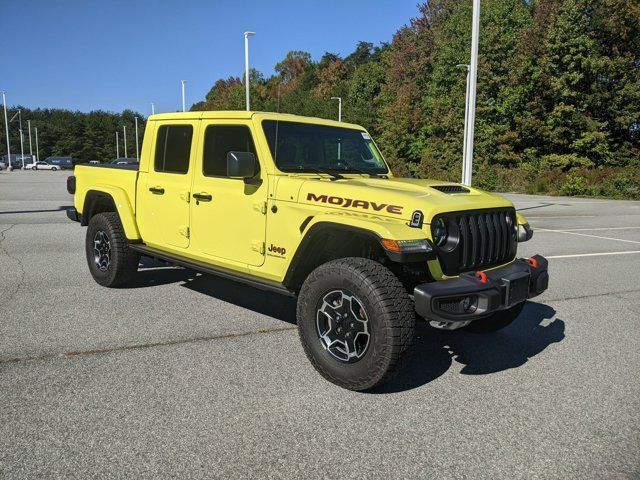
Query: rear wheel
[[111, 262], [495, 322], [356, 322]]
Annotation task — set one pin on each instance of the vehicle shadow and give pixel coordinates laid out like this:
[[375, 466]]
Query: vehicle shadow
[[436, 350], [59, 209], [153, 272]]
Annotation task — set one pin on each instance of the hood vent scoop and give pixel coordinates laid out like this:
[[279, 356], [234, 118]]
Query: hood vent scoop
[[451, 188]]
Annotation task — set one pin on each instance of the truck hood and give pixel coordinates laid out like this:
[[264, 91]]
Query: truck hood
[[389, 197]]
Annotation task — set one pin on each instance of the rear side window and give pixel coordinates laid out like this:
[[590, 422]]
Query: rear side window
[[173, 148], [220, 140]]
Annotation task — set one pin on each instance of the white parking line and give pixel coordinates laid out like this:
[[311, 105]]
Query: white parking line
[[585, 229], [563, 216], [593, 254], [591, 236]]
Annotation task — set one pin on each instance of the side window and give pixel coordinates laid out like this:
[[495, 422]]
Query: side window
[[220, 140], [173, 147]]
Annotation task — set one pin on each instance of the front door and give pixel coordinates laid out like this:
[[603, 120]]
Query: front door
[[228, 215], [166, 195]]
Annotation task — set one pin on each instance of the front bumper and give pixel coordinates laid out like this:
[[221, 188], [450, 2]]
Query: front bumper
[[476, 295]]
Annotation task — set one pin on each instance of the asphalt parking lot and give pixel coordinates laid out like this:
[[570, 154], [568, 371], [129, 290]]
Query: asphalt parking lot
[[189, 376]]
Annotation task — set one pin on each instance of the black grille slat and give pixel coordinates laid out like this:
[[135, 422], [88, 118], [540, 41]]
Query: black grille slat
[[474, 240], [485, 240], [492, 238], [463, 226], [496, 229]]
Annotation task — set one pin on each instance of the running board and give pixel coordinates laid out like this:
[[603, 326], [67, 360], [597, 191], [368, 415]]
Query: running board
[[204, 268]]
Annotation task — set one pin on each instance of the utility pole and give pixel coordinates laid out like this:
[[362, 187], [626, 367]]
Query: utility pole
[[37, 149], [117, 146], [471, 95], [246, 66], [339, 107], [153, 108], [184, 106], [137, 145], [30, 148], [6, 126], [124, 127]]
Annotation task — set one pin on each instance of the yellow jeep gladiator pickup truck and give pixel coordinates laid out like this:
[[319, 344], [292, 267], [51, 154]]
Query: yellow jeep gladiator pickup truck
[[308, 207]]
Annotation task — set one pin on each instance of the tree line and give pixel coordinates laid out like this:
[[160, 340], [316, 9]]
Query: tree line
[[83, 136], [558, 100]]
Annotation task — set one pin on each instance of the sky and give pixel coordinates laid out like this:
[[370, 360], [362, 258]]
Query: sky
[[115, 54]]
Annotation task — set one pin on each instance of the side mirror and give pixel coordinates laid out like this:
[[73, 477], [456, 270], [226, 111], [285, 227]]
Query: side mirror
[[241, 164]]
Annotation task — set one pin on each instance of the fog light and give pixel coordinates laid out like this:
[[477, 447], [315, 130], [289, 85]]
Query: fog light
[[469, 303]]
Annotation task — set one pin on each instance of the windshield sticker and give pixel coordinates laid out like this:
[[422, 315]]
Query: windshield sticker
[[365, 135]]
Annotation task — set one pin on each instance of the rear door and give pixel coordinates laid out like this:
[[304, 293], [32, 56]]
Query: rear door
[[164, 205], [229, 225]]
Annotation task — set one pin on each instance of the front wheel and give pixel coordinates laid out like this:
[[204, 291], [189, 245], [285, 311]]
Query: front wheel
[[111, 262], [53, 169], [495, 322], [356, 322]]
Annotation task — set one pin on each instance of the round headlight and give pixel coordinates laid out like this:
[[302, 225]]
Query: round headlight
[[440, 233]]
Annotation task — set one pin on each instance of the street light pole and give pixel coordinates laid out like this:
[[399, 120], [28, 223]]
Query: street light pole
[[21, 138], [117, 146], [471, 95], [246, 66], [37, 149], [184, 106], [137, 145], [6, 126], [124, 127], [339, 107], [466, 119], [30, 148], [340, 120]]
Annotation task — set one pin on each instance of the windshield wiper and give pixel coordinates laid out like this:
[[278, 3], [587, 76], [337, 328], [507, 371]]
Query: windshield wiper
[[334, 175], [348, 166]]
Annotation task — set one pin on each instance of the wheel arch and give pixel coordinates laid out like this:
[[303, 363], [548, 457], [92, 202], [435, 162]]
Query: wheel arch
[[110, 199], [321, 236]]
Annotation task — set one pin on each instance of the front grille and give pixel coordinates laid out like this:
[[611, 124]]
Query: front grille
[[451, 189], [477, 240]]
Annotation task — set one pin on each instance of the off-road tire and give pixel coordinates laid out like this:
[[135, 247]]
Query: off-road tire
[[495, 322], [123, 261], [390, 314]]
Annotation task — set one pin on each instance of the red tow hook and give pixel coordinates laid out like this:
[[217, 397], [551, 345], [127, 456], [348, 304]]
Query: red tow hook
[[533, 262], [482, 276]]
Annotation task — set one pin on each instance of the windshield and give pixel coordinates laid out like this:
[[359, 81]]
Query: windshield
[[304, 147]]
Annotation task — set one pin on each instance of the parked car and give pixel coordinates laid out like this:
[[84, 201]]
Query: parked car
[[125, 161], [42, 166], [94, 162]]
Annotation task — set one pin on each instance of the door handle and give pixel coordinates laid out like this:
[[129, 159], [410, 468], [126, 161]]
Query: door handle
[[202, 197], [157, 190]]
